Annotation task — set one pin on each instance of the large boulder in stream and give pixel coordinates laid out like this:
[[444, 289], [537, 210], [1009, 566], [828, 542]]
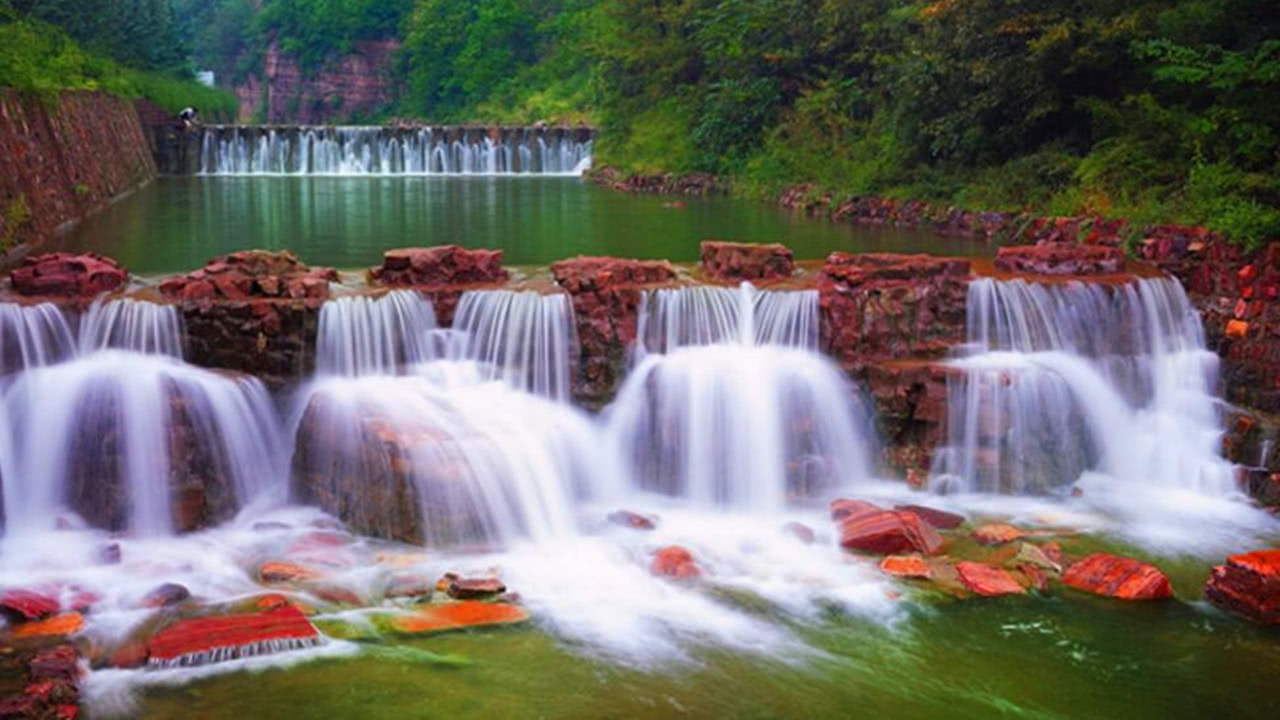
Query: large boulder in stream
[[252, 274], [1118, 577], [1248, 585], [866, 528], [75, 275], [746, 261], [211, 639]]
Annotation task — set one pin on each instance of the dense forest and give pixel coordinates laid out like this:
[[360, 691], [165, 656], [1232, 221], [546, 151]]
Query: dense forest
[[1157, 110], [134, 48]]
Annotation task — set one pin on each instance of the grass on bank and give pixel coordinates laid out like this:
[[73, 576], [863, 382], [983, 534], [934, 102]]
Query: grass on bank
[[40, 59]]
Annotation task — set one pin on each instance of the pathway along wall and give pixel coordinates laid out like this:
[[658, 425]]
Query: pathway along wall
[[889, 320], [63, 158]]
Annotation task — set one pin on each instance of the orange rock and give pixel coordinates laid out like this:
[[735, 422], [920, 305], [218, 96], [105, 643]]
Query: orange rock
[[908, 566], [64, 624], [987, 581], [455, 616], [1237, 329], [272, 601], [1248, 585], [997, 534], [675, 562], [281, 572], [1118, 577]]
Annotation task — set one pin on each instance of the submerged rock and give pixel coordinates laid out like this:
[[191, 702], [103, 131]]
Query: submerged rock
[[166, 595], [746, 261], [64, 274], [1118, 577], [632, 520], [1248, 585], [907, 566], [58, 625], [675, 562], [938, 518], [457, 616], [475, 588], [889, 532], [986, 580], [998, 534], [215, 639]]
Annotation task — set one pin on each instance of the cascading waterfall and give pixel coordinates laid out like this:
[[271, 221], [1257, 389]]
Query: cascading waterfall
[[522, 338], [736, 408], [107, 421], [1075, 379], [470, 420], [373, 150], [33, 335]]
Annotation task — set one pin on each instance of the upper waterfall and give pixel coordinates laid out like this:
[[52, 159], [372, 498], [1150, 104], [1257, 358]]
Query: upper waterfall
[[376, 150]]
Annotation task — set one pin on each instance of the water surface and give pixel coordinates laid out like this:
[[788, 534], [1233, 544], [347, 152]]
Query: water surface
[[178, 223]]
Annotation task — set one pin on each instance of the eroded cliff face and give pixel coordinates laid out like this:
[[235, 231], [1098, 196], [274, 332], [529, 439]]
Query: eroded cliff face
[[64, 158], [355, 85]]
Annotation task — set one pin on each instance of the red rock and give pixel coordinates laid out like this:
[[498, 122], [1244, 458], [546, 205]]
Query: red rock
[[889, 532], [336, 594], [675, 562], [986, 580], [251, 274], [443, 265], [280, 572], [404, 586], [635, 521], [475, 588], [27, 605], [166, 595], [57, 663], [938, 518], [68, 274], [1248, 585], [128, 656], [800, 531], [997, 534], [65, 624], [459, 615], [230, 633], [746, 261], [1061, 258], [909, 566], [1246, 274], [1237, 329], [848, 509], [1118, 577]]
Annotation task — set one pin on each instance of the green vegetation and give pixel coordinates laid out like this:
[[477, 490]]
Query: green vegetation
[[1154, 109], [16, 215], [37, 57]]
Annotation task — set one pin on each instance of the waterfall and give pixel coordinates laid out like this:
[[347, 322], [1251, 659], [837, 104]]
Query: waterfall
[[736, 408], [33, 335], [368, 336], [118, 436], [522, 338], [37, 335], [473, 422], [1071, 380], [375, 150]]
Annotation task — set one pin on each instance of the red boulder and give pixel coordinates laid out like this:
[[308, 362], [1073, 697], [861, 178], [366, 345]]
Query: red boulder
[[675, 562], [1061, 258], [1118, 577], [986, 580], [1248, 585], [25, 605], [68, 274], [889, 532], [746, 261], [231, 636], [475, 588], [938, 518]]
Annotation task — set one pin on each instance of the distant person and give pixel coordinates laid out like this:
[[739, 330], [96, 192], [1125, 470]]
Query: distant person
[[188, 116]]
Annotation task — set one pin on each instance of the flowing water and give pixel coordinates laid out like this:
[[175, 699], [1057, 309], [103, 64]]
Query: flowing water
[[1086, 412], [342, 151]]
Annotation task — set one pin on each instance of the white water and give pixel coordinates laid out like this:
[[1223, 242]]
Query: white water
[[372, 150], [499, 463], [523, 338], [110, 415], [737, 411]]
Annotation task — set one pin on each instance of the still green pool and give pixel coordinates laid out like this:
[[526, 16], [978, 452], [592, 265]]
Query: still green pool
[[177, 224]]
